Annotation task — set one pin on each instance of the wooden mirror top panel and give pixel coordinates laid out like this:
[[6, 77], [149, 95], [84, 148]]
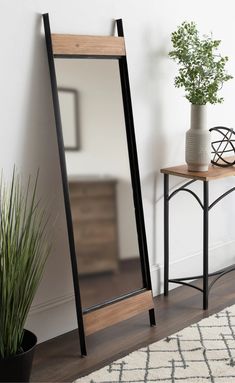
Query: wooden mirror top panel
[[65, 44]]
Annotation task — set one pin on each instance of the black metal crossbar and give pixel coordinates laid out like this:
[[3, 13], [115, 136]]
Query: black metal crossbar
[[181, 188], [185, 284], [221, 274], [184, 188], [209, 275], [221, 197]]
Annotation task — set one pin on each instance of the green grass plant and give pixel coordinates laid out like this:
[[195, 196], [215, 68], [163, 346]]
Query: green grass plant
[[23, 253]]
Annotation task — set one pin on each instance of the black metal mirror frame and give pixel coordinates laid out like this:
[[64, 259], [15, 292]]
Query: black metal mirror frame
[[135, 180]]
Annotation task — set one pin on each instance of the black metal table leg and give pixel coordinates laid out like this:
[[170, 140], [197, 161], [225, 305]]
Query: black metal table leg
[[212, 173], [166, 234], [205, 242]]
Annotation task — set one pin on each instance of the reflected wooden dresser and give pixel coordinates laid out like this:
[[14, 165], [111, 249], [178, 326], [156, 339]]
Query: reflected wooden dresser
[[94, 214]]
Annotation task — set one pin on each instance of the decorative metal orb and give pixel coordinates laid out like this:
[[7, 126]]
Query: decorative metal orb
[[223, 148]]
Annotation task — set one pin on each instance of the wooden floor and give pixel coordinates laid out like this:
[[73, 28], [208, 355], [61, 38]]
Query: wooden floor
[[58, 360], [101, 287]]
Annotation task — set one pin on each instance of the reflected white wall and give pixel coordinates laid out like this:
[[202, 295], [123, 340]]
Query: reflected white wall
[[102, 135]]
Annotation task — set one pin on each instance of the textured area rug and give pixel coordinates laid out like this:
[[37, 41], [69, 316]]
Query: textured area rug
[[201, 353]]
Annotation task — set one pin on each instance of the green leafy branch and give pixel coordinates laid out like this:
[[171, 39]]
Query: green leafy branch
[[202, 69]]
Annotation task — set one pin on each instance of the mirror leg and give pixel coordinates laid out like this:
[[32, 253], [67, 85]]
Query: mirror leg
[[152, 318]]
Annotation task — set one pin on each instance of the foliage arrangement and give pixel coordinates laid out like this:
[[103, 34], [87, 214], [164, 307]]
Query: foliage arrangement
[[202, 69], [23, 252]]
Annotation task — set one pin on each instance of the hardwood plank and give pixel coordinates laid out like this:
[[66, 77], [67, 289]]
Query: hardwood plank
[[58, 360], [108, 316], [64, 44], [100, 287], [213, 173]]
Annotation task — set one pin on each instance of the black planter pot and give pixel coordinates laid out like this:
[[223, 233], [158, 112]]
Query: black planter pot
[[18, 368]]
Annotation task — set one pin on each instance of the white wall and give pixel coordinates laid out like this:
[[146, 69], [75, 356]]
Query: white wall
[[161, 115]]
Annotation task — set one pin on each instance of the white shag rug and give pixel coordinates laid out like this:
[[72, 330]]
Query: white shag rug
[[201, 353]]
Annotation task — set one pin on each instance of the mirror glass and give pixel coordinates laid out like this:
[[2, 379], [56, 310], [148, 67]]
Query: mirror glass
[[99, 180]]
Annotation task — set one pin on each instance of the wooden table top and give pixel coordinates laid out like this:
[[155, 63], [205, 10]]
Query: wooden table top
[[213, 173]]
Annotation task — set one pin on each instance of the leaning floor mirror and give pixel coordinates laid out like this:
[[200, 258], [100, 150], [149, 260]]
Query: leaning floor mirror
[[100, 175]]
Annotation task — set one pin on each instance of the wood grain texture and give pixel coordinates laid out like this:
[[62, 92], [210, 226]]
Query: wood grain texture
[[64, 44], [91, 188], [126, 278], [213, 173], [58, 360], [92, 208], [117, 312], [94, 214]]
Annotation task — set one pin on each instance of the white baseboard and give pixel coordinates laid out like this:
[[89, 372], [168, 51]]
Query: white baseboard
[[57, 316], [52, 318], [51, 304]]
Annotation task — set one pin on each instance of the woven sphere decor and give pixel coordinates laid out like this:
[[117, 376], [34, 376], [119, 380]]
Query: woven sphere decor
[[223, 149]]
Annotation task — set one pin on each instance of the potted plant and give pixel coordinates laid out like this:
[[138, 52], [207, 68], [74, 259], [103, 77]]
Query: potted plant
[[23, 253], [202, 74]]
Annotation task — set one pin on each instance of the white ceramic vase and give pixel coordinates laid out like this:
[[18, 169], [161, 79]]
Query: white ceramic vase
[[197, 147]]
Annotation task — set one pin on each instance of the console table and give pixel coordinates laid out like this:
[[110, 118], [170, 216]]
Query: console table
[[213, 173]]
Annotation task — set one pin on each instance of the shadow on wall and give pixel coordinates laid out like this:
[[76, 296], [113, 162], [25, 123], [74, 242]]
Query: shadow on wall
[[127, 230], [155, 140], [39, 150]]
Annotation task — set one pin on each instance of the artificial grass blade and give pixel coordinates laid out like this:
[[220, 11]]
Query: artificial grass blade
[[23, 253]]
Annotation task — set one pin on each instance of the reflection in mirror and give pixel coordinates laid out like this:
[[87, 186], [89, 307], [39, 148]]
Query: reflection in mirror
[[100, 184], [68, 99]]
